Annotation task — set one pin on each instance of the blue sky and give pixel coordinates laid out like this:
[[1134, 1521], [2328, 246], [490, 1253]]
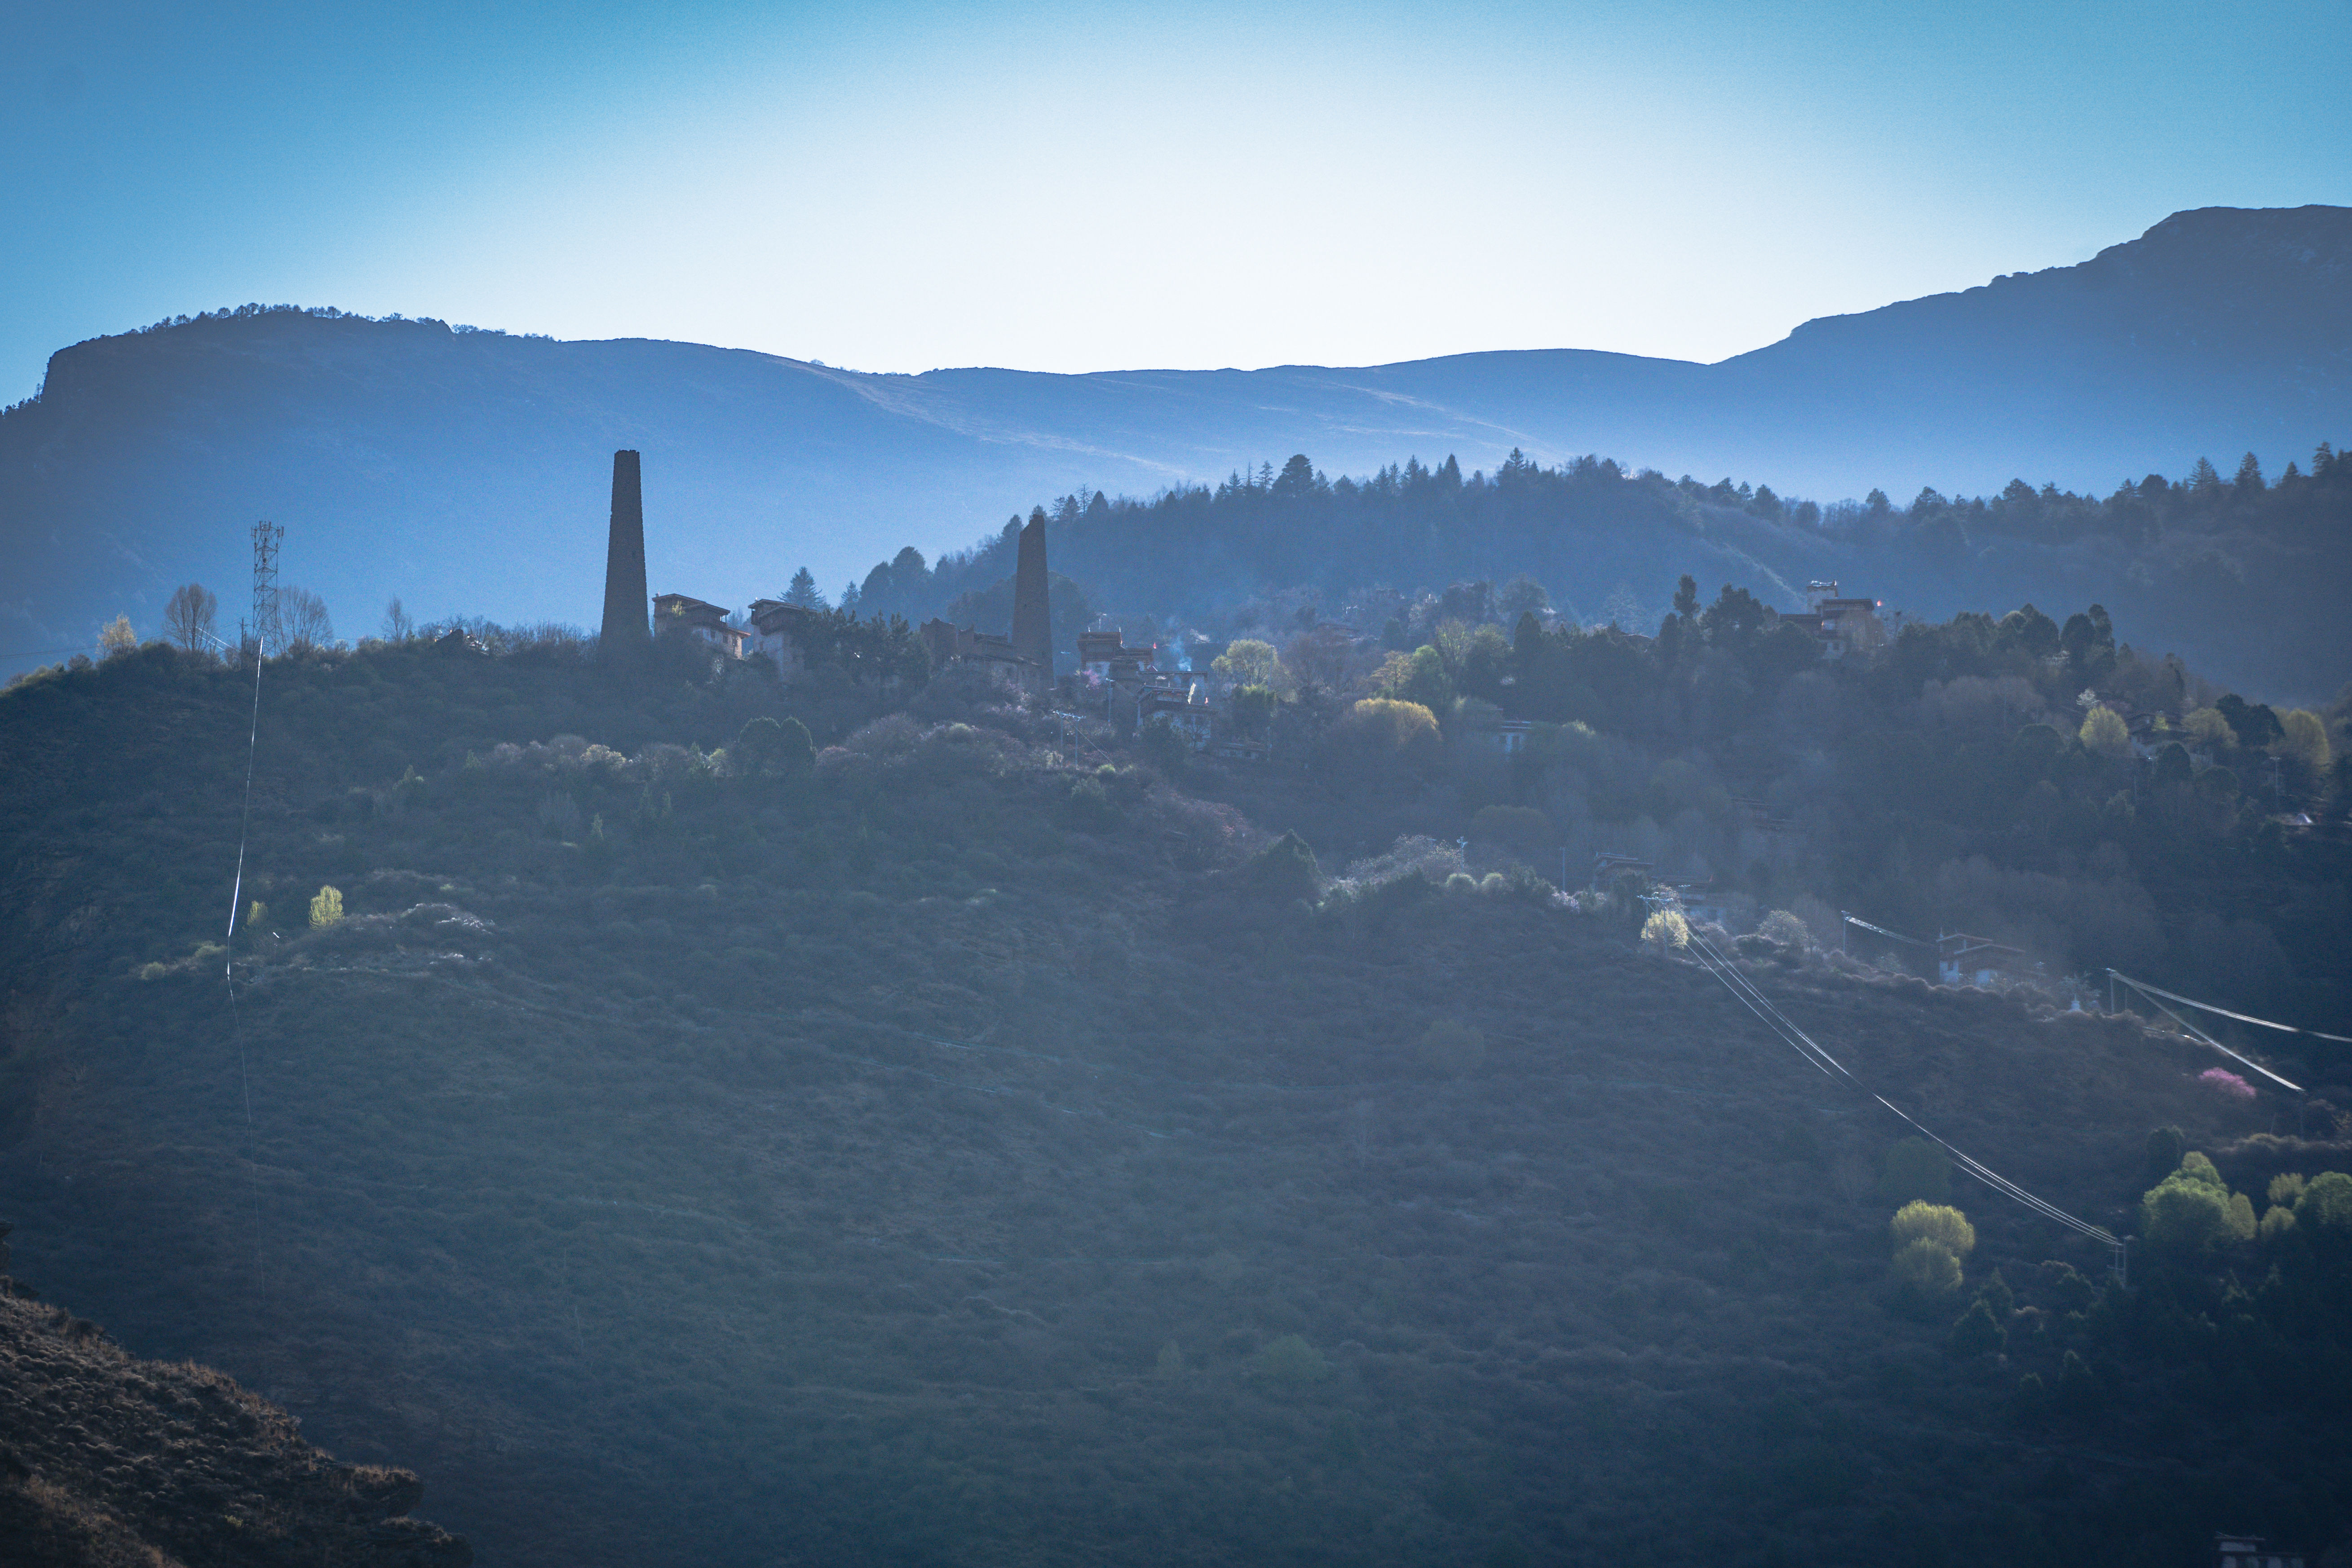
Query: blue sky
[[901, 186]]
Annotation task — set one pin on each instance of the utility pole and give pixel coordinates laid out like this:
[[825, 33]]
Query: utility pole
[[267, 628]]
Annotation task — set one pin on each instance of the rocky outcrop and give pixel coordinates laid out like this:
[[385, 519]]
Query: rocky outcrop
[[110, 1462]]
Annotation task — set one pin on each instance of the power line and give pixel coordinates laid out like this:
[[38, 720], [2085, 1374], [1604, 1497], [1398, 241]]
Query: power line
[[1804, 1044], [2197, 1034], [2150, 991]]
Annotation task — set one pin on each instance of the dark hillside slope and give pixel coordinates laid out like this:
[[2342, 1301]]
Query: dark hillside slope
[[956, 1154], [107, 1462], [466, 470]]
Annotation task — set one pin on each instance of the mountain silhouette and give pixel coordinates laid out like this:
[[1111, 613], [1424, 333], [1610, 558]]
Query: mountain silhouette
[[466, 471]]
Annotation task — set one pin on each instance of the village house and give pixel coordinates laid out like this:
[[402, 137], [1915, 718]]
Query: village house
[[1844, 624], [1610, 865], [1105, 656], [1181, 710], [1510, 736], [2234, 1551], [1964, 959], [682, 615], [962, 645], [780, 631]]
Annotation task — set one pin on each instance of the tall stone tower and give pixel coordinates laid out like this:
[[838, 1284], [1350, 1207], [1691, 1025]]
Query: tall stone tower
[[626, 630], [1032, 616]]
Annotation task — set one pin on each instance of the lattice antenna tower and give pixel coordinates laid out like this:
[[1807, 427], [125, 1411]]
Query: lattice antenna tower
[[267, 630]]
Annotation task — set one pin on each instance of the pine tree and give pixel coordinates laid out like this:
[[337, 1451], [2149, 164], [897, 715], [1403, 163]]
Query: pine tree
[[803, 591], [2250, 476]]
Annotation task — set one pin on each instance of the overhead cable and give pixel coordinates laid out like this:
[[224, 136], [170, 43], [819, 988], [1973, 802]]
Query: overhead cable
[[1812, 1050], [2151, 991], [2195, 1033]]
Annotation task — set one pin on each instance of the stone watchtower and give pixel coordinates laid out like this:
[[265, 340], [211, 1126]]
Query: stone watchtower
[[626, 630], [1033, 618]]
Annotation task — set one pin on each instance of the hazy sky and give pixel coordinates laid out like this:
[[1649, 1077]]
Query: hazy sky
[[902, 186]]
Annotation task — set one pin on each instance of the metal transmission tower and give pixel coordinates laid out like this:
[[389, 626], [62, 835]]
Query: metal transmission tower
[[267, 630]]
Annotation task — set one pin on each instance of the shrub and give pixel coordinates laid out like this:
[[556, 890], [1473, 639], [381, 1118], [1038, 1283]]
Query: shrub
[[2192, 1211], [327, 907], [2306, 740], [1977, 1333], [1923, 1270], [2070, 1285], [1285, 870], [1253, 709], [1382, 730], [1665, 930], [1163, 748], [1786, 929], [1945, 1227], [257, 915], [1461, 882], [2226, 1084], [2327, 1202], [1246, 661], [117, 637], [2208, 728], [1091, 807], [1914, 1168], [2103, 731]]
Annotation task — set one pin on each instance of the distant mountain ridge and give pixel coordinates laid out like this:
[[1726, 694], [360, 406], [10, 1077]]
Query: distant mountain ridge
[[464, 471]]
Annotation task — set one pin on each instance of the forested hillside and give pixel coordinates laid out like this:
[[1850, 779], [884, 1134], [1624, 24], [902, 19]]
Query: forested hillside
[[410, 458], [883, 1122], [2243, 576]]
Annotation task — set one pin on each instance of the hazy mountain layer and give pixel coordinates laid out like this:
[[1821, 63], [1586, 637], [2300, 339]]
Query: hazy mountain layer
[[468, 470]]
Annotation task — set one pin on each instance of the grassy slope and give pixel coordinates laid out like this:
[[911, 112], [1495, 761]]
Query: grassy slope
[[107, 1462], [831, 1172]]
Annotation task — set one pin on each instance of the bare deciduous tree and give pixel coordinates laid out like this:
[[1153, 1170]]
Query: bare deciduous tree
[[397, 626], [188, 615], [303, 615]]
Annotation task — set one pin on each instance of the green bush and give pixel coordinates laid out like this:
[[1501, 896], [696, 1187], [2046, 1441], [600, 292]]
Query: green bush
[[2193, 1211], [1666, 931], [327, 907], [1947, 1228], [1922, 1268]]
